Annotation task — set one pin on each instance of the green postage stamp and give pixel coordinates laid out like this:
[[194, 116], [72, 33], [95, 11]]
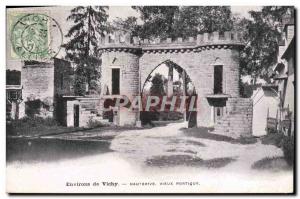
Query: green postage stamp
[[31, 37]]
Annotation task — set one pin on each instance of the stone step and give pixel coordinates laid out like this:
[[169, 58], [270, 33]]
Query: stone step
[[100, 119]]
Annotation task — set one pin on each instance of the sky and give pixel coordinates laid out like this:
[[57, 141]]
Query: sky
[[61, 13]]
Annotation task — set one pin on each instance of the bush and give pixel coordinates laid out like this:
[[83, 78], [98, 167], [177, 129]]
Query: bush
[[148, 116], [35, 121], [288, 149], [32, 107], [273, 139], [247, 140], [271, 163], [26, 124]]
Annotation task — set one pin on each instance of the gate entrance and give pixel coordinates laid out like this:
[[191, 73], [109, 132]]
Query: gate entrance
[[76, 115], [175, 91]]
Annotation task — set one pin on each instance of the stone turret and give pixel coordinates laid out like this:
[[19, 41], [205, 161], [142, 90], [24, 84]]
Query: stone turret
[[120, 75]]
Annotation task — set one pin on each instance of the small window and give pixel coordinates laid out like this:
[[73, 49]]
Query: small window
[[61, 80], [218, 79], [13, 95], [115, 81], [218, 112]]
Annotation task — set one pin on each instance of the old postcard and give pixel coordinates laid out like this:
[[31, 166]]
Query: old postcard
[[150, 99]]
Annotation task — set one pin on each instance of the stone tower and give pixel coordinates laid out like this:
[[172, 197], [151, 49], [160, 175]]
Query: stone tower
[[120, 75]]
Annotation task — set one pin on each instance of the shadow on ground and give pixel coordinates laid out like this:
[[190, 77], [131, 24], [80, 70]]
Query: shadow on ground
[[46, 150], [187, 160], [207, 133], [271, 164], [173, 141]]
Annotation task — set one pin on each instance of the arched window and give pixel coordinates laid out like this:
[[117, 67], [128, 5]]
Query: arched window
[[218, 79]]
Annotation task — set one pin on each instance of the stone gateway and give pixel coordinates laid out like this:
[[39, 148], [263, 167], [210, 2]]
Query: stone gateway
[[211, 60]]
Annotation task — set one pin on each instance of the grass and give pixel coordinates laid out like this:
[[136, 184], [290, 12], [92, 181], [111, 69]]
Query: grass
[[115, 128], [205, 133], [273, 139], [154, 124], [36, 126], [272, 164], [286, 143], [187, 160], [288, 148]]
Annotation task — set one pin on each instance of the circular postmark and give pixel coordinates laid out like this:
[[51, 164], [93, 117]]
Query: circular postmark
[[36, 37]]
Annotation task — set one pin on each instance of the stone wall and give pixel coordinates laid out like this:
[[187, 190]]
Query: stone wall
[[63, 86], [237, 122], [63, 77], [127, 117], [45, 81], [37, 79]]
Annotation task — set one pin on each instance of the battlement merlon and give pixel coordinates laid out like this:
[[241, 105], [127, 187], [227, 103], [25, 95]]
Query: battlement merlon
[[214, 39]]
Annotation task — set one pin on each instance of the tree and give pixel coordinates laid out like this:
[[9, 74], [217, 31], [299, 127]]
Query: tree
[[262, 37], [195, 20], [90, 24], [182, 21], [129, 25], [157, 87], [262, 32], [158, 21]]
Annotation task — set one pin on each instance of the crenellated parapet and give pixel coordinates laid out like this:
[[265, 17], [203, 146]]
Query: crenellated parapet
[[121, 43], [201, 42]]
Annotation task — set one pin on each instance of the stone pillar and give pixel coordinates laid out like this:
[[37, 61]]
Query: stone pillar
[[21, 110], [203, 112], [116, 118], [184, 90], [170, 82], [13, 109], [70, 112]]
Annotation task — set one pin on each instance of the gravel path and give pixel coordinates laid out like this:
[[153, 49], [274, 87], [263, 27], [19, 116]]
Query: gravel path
[[138, 146], [140, 156]]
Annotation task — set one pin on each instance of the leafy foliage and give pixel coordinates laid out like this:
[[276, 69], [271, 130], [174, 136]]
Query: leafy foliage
[[263, 33], [124, 26], [158, 21], [157, 87], [89, 25], [182, 21], [288, 149], [195, 20]]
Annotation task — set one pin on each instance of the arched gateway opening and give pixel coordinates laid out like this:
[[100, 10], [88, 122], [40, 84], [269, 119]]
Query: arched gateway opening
[[176, 94]]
